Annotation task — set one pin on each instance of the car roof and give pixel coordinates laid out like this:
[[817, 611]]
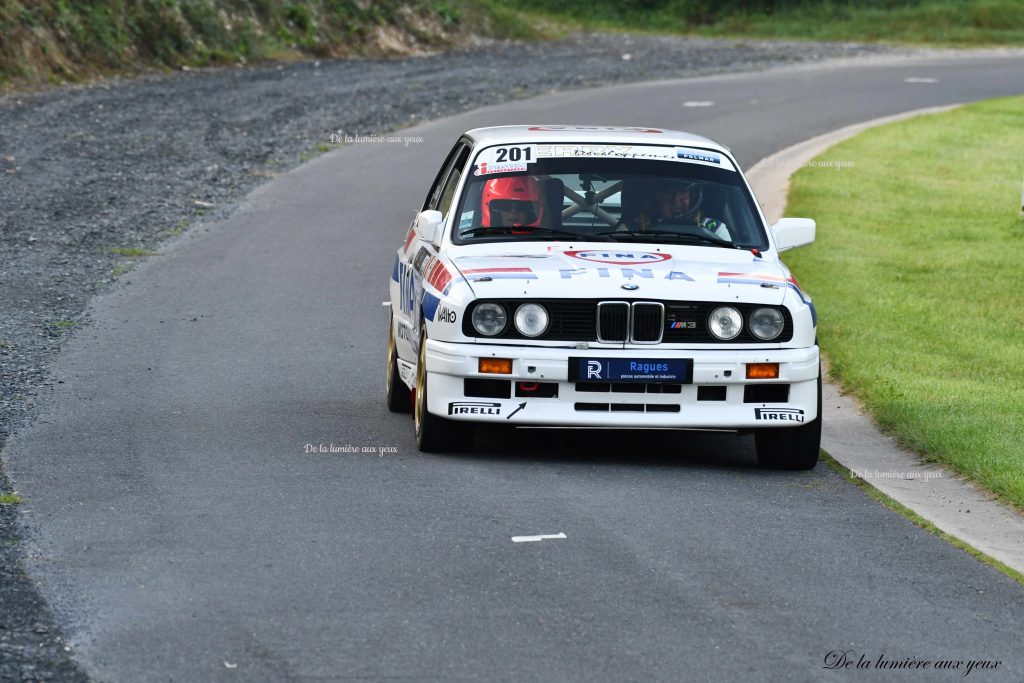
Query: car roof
[[628, 135]]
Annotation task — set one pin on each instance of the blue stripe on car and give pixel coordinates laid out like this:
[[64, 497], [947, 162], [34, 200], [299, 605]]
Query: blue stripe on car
[[430, 304]]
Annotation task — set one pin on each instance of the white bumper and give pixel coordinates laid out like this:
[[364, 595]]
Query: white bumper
[[449, 364]]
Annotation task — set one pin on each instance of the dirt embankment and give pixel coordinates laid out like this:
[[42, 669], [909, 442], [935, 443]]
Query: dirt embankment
[[51, 41]]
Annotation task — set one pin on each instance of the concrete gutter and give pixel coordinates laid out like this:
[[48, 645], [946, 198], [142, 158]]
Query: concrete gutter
[[953, 504]]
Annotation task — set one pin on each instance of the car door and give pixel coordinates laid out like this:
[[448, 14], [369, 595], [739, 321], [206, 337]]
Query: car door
[[416, 258]]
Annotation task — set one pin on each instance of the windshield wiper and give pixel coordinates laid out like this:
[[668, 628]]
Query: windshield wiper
[[641, 236], [531, 230]]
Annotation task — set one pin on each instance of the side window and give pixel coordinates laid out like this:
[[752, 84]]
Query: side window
[[435, 189], [448, 191]]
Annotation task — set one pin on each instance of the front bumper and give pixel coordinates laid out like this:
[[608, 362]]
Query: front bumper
[[722, 373]]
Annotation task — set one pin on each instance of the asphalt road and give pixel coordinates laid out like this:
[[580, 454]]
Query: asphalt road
[[182, 531]]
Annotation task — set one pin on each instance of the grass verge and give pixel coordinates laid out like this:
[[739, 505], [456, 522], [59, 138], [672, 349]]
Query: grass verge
[[916, 273], [919, 520], [938, 22], [56, 41]]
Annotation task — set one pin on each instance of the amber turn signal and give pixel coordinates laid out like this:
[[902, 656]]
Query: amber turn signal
[[496, 366], [762, 370]]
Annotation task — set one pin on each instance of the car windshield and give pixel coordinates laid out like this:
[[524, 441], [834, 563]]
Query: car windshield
[[607, 199]]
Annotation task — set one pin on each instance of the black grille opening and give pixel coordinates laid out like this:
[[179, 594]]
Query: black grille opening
[[662, 408], [487, 388], [647, 322], [710, 393], [627, 407], [766, 393], [612, 321], [599, 407], [578, 320], [628, 388]]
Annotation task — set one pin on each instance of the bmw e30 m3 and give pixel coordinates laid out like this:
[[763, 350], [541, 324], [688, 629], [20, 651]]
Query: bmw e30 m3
[[584, 276]]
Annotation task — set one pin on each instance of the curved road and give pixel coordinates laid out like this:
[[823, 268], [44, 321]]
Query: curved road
[[182, 531]]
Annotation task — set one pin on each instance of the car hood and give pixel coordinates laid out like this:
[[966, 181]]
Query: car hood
[[665, 272]]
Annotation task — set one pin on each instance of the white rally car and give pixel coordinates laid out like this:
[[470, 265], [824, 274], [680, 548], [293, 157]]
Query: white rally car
[[586, 276]]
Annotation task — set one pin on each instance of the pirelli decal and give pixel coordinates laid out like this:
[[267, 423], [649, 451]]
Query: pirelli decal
[[779, 414]]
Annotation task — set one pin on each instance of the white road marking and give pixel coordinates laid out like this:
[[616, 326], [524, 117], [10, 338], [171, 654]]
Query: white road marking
[[914, 79], [385, 303], [699, 103], [541, 537]]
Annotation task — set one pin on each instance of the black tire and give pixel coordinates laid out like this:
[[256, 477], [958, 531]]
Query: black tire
[[435, 434], [399, 398], [791, 448]]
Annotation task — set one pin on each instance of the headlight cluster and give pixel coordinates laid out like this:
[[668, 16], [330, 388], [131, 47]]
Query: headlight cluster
[[531, 320], [726, 322]]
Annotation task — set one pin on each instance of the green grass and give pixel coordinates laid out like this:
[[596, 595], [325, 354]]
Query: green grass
[[120, 269], [130, 251], [49, 42], [10, 499], [53, 41], [917, 277], [941, 22]]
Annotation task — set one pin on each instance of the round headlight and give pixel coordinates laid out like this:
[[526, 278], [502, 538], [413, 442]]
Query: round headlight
[[766, 323], [489, 319], [725, 322], [531, 320]]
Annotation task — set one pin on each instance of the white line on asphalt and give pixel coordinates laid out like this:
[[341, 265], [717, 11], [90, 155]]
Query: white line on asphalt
[[385, 303], [699, 103], [914, 79], [542, 537]]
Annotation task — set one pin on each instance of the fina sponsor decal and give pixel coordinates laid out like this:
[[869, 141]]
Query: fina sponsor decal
[[473, 408], [779, 414], [618, 258]]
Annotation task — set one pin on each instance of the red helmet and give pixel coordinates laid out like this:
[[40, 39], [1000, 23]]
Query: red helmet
[[511, 194]]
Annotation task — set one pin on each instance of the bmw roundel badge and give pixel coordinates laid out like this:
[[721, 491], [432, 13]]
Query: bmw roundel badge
[[631, 286]]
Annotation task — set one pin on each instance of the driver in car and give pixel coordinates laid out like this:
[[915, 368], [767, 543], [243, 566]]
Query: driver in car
[[679, 201], [511, 202]]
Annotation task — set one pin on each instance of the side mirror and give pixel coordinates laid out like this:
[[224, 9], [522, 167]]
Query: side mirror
[[793, 232], [428, 225]]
